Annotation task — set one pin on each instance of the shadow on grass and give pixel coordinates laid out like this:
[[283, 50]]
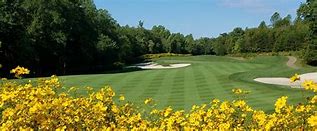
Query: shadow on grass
[[124, 70]]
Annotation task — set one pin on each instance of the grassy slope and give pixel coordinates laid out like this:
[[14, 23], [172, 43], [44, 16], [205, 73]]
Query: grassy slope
[[208, 77]]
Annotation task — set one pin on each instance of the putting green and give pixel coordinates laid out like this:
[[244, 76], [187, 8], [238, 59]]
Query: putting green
[[206, 78]]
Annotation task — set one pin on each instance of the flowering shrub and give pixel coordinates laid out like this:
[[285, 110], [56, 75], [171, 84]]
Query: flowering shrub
[[155, 56], [18, 71], [39, 107]]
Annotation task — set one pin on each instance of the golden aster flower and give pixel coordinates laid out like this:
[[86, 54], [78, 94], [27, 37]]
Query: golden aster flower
[[215, 101], [89, 88], [167, 111], [280, 103], [312, 121], [295, 78], [114, 109], [314, 100], [308, 84], [121, 98], [239, 103], [18, 71], [99, 96], [300, 108], [237, 91], [148, 100]]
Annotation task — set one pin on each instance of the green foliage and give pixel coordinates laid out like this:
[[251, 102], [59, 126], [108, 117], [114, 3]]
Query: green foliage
[[67, 37], [309, 12], [156, 56], [282, 35]]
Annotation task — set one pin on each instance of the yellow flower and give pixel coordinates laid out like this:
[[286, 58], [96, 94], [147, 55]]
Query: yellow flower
[[237, 91], [259, 117], [61, 128], [215, 101], [121, 98], [66, 103], [224, 126], [312, 121], [239, 103], [314, 100], [269, 125], [99, 96], [308, 84], [280, 103], [110, 92], [155, 111], [114, 109], [72, 89], [194, 107], [89, 88], [295, 78], [224, 106], [76, 118], [18, 71], [300, 108], [25, 129], [148, 100], [167, 111], [8, 112], [99, 107]]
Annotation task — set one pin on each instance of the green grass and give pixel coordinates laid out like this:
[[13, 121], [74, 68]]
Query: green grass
[[208, 77]]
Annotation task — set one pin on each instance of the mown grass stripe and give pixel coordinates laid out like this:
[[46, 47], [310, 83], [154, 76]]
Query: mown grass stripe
[[178, 85], [202, 85]]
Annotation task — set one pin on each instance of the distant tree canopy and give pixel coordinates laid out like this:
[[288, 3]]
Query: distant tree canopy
[[308, 12], [67, 37]]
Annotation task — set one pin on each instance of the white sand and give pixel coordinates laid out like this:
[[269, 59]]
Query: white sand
[[152, 65], [286, 81]]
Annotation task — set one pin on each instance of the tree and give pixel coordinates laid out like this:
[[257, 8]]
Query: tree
[[141, 23], [275, 18], [262, 25], [310, 15], [69, 36], [177, 43], [163, 34], [219, 45], [189, 43]]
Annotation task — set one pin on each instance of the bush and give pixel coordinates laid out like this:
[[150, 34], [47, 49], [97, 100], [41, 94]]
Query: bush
[[118, 65], [156, 56]]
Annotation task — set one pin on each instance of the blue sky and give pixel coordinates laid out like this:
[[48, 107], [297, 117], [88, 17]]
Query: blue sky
[[202, 18]]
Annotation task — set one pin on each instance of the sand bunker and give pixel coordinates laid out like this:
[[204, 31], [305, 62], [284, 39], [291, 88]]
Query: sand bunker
[[152, 65], [286, 81]]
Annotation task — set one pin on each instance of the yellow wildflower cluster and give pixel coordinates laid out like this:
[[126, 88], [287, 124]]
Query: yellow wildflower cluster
[[19, 71], [238, 91], [121, 98], [148, 100], [280, 104], [295, 78], [307, 84], [310, 85], [38, 106]]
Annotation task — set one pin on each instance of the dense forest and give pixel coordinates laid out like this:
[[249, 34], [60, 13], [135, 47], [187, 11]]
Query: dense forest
[[73, 36]]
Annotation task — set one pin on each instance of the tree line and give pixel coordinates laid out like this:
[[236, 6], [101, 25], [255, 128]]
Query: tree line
[[282, 34], [70, 37]]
